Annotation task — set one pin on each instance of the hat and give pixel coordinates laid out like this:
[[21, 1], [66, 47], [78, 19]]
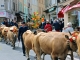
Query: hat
[[47, 21], [23, 23], [69, 24]]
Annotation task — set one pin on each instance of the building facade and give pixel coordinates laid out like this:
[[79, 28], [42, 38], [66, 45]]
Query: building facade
[[7, 9], [72, 15], [41, 7], [51, 9]]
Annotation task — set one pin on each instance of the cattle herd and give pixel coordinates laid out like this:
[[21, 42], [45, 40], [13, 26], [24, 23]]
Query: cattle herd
[[56, 44]]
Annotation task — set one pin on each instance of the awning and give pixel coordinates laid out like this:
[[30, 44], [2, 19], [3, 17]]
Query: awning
[[61, 14], [74, 6], [63, 10]]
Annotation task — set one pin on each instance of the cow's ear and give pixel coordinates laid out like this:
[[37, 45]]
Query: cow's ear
[[66, 36], [35, 32]]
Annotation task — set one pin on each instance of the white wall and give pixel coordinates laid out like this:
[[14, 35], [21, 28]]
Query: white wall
[[2, 6], [53, 2], [8, 5]]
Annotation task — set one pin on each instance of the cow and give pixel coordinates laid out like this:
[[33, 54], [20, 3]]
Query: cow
[[12, 35], [1, 28], [4, 33], [28, 38], [10, 38], [53, 43], [78, 43]]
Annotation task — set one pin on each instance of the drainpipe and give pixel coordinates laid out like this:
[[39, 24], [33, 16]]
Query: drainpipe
[[57, 9]]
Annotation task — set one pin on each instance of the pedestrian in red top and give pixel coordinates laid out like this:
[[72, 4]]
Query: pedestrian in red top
[[48, 26]]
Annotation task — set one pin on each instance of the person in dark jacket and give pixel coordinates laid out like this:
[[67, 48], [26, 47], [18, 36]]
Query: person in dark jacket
[[42, 25], [11, 23], [22, 29], [5, 22], [51, 22], [56, 26], [14, 23]]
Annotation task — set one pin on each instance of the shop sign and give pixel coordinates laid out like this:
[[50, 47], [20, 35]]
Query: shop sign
[[51, 9], [2, 14], [5, 14]]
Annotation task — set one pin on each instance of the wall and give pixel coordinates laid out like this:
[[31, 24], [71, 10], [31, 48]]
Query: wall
[[34, 6], [41, 7], [2, 6], [21, 5]]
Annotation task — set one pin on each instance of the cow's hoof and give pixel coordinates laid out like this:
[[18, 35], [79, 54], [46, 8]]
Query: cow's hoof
[[13, 48], [28, 59], [35, 57], [6, 42]]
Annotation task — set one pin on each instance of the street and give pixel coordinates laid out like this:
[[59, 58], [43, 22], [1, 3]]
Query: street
[[7, 53]]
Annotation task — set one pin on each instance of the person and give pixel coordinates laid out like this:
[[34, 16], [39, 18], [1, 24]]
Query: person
[[51, 22], [48, 26], [14, 23], [77, 28], [22, 29], [68, 28], [42, 25], [11, 23], [56, 25], [61, 22], [5, 22]]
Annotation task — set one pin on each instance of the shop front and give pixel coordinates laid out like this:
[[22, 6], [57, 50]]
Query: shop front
[[50, 13], [4, 14], [72, 15]]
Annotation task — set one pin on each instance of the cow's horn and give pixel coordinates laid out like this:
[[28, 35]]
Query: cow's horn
[[70, 33]]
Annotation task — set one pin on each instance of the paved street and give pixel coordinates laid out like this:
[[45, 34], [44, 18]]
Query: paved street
[[7, 53]]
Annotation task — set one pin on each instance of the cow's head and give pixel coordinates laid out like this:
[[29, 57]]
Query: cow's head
[[71, 42]]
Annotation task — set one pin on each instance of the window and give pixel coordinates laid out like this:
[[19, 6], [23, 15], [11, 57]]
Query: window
[[2, 5], [58, 1], [25, 1], [13, 6]]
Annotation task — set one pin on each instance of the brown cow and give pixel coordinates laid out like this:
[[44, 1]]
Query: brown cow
[[12, 35], [54, 44], [78, 43], [10, 38], [28, 37], [4, 33]]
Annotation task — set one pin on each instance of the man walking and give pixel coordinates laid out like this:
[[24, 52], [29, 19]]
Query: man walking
[[22, 29]]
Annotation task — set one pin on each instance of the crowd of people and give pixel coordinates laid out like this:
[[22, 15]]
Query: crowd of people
[[48, 25], [12, 23]]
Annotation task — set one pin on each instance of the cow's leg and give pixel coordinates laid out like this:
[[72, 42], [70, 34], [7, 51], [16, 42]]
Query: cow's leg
[[13, 44], [72, 55], [7, 41], [27, 52], [44, 56], [14, 40], [38, 54], [63, 57], [54, 57]]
